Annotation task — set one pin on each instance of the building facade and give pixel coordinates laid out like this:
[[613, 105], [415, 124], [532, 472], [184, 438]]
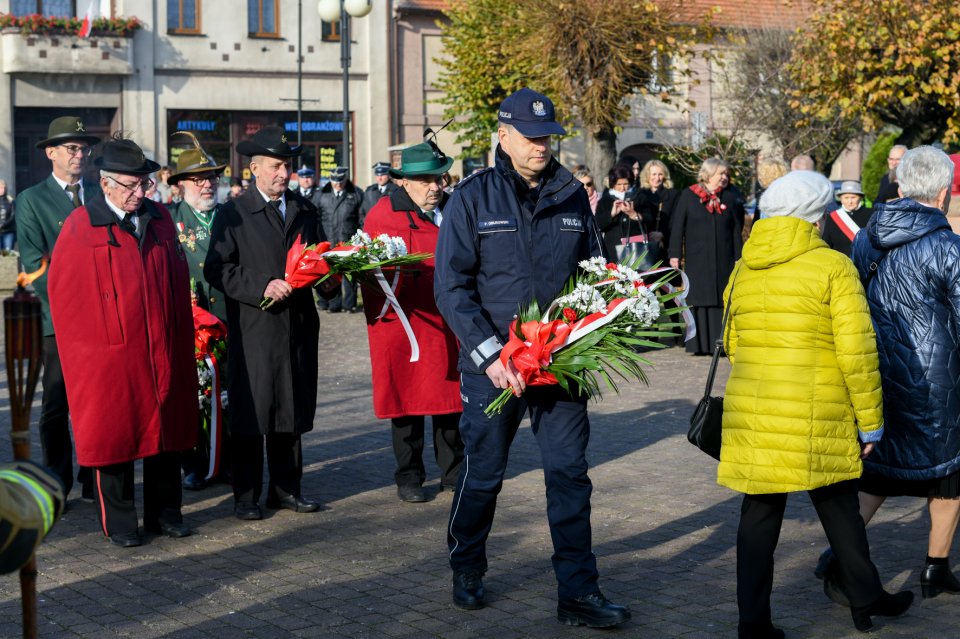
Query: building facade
[[221, 70]]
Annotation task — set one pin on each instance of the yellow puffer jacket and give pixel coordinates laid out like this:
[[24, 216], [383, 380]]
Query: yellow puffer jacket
[[805, 368]]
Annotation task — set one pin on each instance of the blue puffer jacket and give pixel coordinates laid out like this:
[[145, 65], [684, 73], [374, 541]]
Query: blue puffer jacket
[[914, 299]]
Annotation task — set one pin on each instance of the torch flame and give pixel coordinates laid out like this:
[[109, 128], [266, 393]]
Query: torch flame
[[25, 279]]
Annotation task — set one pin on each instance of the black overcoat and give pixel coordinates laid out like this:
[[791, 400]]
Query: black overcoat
[[272, 353], [710, 242]]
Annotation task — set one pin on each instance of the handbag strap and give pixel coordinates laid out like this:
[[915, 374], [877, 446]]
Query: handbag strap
[[718, 346]]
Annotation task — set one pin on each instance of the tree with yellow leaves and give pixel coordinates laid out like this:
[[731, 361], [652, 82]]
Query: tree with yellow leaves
[[589, 56], [891, 62]]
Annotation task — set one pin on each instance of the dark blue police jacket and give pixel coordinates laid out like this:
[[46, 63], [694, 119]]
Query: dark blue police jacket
[[502, 245], [914, 300]]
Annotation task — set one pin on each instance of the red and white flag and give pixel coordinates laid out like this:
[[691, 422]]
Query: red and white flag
[[84, 31]]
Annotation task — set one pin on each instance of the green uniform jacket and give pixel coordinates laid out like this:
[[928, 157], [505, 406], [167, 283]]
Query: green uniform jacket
[[195, 238], [41, 211]]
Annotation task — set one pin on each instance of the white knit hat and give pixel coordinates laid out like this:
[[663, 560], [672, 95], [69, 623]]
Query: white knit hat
[[800, 194]]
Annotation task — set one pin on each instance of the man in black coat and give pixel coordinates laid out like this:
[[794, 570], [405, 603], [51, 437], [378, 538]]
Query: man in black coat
[[889, 189], [339, 207], [382, 187], [272, 352]]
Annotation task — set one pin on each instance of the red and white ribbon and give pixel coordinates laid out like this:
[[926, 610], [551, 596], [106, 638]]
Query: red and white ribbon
[[388, 291], [845, 223], [216, 418]]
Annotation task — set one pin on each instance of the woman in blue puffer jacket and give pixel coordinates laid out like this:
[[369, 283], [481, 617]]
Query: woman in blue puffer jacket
[[909, 262]]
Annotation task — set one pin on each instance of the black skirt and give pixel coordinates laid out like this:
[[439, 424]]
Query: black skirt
[[947, 487], [708, 320]]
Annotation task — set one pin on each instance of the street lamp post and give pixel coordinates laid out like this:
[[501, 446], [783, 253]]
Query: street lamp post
[[340, 10]]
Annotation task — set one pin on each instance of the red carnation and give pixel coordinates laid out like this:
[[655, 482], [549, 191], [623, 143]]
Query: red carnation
[[569, 314]]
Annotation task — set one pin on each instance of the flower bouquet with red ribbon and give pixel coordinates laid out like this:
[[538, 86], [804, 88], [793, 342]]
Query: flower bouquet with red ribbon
[[593, 331], [210, 349], [306, 266]]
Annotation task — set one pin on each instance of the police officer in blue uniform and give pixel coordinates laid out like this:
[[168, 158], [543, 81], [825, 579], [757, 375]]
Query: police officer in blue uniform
[[513, 233]]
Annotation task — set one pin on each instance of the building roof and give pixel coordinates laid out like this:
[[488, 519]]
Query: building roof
[[422, 5], [733, 14], [754, 14]]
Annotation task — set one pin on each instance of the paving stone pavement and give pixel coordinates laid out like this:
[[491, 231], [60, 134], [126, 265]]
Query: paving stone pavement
[[373, 567]]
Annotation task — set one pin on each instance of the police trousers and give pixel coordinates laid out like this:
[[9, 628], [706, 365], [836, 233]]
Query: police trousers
[[562, 430]]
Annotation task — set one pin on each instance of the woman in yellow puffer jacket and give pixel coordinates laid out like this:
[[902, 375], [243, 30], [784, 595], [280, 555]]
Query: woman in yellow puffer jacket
[[803, 402]]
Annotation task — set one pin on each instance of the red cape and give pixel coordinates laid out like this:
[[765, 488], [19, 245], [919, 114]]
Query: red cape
[[124, 331], [430, 386]]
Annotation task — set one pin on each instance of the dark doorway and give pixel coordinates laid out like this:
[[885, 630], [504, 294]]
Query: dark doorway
[[30, 126]]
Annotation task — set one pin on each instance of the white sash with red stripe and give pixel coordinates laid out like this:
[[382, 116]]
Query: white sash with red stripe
[[845, 223]]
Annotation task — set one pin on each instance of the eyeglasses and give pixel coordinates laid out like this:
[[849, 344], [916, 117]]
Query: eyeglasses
[[590, 184], [200, 180], [74, 149], [145, 185]]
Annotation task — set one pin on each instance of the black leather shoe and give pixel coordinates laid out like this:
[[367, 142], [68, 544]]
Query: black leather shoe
[[468, 590], [169, 529], [411, 494], [125, 540], [937, 578], [194, 482], [886, 606], [296, 504], [593, 610], [247, 512]]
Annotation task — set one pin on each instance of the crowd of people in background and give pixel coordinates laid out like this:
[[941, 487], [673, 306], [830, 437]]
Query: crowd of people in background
[[805, 289]]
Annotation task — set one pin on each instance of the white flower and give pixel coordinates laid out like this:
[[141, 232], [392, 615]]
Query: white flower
[[360, 239], [584, 299], [645, 306], [393, 247], [594, 266]]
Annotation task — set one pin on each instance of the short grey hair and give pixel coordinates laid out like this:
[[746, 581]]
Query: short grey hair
[[923, 173], [709, 168]]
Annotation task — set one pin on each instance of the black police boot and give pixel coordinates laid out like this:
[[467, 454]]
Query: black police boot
[[468, 590], [937, 578], [758, 630], [886, 606], [593, 610]]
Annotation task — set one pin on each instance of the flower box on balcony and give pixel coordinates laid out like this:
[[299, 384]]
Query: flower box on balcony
[[63, 53]]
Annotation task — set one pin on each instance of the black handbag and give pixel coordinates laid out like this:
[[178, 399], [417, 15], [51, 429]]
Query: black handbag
[[707, 418], [640, 255], [706, 422]]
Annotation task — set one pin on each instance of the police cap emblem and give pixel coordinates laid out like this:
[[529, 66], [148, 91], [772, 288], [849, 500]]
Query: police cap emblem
[[538, 108]]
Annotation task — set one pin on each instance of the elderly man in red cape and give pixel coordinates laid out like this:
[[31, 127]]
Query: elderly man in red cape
[[405, 391], [120, 302]]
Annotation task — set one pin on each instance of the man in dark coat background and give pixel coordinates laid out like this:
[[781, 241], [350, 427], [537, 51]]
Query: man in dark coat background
[[41, 211], [273, 352], [382, 187], [339, 207]]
